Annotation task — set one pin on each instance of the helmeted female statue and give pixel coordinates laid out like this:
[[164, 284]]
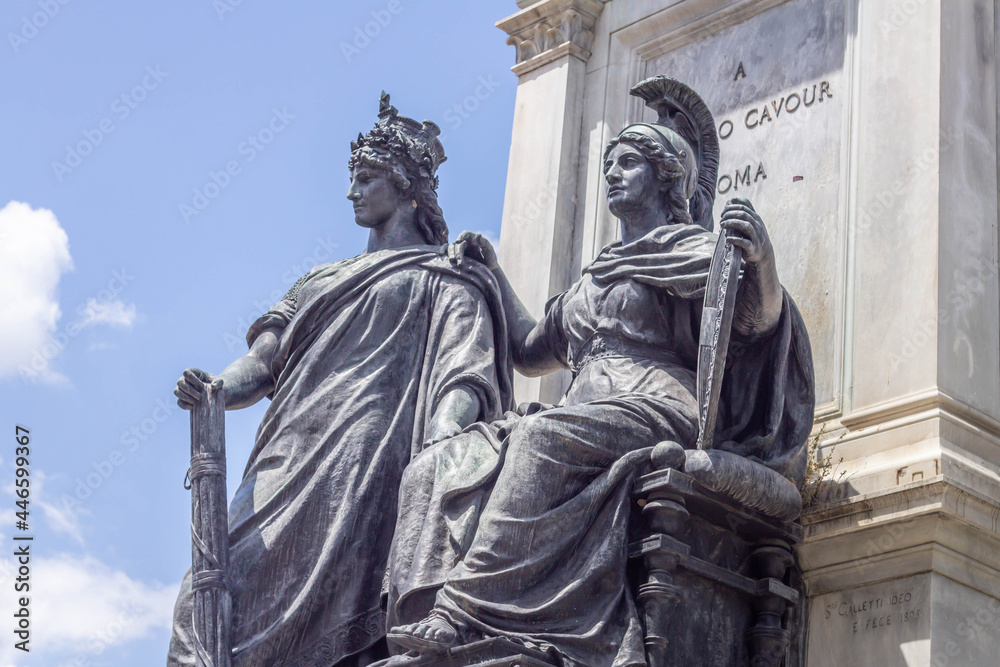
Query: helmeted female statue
[[366, 361], [519, 528]]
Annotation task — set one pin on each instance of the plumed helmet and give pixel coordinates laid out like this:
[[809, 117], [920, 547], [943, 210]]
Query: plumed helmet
[[685, 127]]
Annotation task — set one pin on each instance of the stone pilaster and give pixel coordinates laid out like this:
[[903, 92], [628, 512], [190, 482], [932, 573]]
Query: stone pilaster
[[552, 38]]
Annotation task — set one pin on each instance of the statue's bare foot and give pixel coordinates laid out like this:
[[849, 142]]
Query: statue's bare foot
[[434, 634]]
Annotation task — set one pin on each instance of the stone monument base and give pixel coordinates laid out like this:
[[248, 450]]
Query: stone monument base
[[906, 577]]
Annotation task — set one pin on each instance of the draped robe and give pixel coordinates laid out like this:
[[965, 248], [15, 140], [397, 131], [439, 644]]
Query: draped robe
[[368, 346], [519, 528]]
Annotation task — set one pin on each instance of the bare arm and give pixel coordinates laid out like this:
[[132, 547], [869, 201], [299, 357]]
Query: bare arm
[[459, 408], [530, 350], [246, 380]]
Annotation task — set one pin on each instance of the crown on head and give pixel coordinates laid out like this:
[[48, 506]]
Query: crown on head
[[413, 144]]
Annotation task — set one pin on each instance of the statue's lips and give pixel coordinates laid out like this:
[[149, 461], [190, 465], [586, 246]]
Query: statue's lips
[[617, 190]]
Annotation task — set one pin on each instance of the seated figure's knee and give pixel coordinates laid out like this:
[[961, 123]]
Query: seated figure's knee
[[420, 469], [529, 434]]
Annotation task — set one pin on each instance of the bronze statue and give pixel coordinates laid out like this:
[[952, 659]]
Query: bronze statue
[[366, 361], [519, 528]]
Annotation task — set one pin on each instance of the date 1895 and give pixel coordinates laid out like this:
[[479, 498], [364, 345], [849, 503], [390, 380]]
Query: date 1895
[[22, 543]]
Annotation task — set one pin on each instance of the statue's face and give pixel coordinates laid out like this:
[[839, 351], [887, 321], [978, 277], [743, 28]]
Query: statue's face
[[375, 197], [631, 181]]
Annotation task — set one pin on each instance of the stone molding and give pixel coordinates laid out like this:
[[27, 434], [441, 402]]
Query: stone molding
[[551, 29], [935, 525], [918, 402]]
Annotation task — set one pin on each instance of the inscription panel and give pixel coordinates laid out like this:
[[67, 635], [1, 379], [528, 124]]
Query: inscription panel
[[880, 624], [776, 86]]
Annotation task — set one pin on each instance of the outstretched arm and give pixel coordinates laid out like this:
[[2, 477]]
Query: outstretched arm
[[530, 349], [245, 381]]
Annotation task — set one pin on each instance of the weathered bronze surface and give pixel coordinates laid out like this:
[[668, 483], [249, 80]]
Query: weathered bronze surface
[[521, 528], [366, 361], [392, 485]]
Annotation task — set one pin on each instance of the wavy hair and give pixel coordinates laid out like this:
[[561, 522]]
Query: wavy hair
[[384, 152], [669, 171]]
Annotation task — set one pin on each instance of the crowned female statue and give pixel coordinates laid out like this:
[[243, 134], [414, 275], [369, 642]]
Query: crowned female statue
[[366, 361], [519, 528]]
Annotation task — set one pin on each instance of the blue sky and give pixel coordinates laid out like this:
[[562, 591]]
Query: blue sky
[[173, 167]]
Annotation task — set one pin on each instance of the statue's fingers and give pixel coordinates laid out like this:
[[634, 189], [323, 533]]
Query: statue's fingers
[[191, 382], [195, 392], [740, 242], [196, 377], [741, 216], [743, 229], [184, 399], [740, 204], [739, 208], [737, 223]]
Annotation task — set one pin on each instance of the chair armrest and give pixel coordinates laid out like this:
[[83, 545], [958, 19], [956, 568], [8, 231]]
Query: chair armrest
[[744, 482]]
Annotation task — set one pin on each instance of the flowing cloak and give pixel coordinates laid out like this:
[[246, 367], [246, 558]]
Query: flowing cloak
[[367, 348], [519, 528]]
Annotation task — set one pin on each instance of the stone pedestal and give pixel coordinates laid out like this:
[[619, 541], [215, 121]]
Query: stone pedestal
[[865, 133]]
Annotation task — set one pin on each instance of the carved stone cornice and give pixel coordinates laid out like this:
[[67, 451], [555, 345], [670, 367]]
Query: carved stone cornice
[[551, 29]]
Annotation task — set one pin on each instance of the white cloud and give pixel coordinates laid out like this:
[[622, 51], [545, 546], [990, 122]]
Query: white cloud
[[114, 313], [34, 253], [62, 518], [80, 607]]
